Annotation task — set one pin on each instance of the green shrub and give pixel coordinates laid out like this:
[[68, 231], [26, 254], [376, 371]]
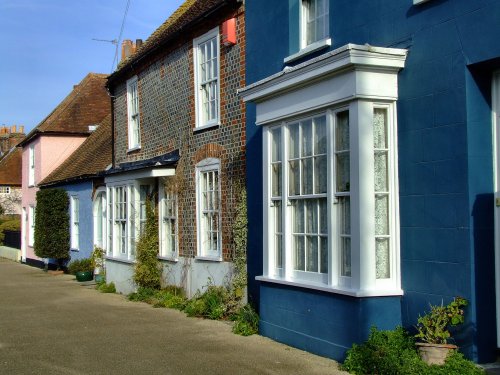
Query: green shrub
[[169, 297], [106, 288], [385, 352], [143, 294], [212, 304], [52, 224], [147, 269], [80, 265], [246, 321], [12, 224], [394, 352]]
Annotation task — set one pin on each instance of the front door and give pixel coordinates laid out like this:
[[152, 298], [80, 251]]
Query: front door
[[496, 131], [23, 235]]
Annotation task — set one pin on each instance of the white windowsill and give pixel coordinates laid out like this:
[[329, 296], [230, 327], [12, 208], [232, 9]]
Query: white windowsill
[[205, 127], [316, 46], [120, 260], [136, 148], [208, 259], [168, 259], [336, 290]]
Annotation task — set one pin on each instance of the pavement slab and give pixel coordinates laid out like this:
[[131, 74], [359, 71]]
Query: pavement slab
[[53, 325]]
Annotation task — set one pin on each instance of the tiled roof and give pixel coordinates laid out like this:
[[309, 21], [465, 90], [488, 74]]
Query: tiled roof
[[189, 12], [11, 167], [87, 104], [92, 157]]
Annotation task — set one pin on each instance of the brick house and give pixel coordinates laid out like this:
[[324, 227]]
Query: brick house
[[81, 176], [178, 128], [10, 181], [52, 141]]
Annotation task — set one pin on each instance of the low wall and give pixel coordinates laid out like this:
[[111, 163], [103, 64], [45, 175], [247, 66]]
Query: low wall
[[10, 253]]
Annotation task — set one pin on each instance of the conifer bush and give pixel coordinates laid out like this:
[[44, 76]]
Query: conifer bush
[[52, 225]]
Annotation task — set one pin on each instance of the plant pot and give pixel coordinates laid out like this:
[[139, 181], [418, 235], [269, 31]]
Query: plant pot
[[99, 278], [84, 276], [434, 354]]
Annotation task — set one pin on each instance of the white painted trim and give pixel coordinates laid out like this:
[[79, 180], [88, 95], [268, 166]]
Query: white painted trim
[[74, 241], [172, 256], [495, 89], [137, 175], [331, 289], [214, 33], [24, 219], [367, 58], [311, 48], [31, 225], [137, 145], [207, 165], [104, 226]]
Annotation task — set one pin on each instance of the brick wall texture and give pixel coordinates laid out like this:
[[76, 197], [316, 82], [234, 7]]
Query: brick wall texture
[[167, 123]]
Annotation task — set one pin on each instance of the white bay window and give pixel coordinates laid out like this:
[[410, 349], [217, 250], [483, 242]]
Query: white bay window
[[330, 172]]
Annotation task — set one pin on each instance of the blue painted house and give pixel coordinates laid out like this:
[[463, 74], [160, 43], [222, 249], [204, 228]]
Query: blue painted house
[[372, 192], [81, 175]]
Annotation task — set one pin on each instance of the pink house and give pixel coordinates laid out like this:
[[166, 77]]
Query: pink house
[[52, 141]]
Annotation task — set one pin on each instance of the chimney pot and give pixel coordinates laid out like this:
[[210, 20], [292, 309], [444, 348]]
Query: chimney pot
[[138, 44], [13, 129], [21, 129], [127, 47]]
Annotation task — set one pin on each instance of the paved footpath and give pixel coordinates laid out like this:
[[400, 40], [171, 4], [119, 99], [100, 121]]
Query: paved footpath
[[54, 325]]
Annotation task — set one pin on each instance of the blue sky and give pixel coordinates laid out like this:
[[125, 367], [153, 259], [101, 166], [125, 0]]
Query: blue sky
[[46, 48]]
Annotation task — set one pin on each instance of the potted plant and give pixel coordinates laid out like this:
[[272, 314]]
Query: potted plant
[[82, 269], [433, 330], [98, 263]]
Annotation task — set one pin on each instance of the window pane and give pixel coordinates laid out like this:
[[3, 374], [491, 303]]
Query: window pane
[[343, 172], [312, 253], [323, 216], [345, 215], [342, 131], [294, 151], [299, 253], [380, 128], [320, 135], [278, 234], [298, 216], [345, 243], [383, 258], [320, 174], [307, 138], [276, 180], [294, 178], [324, 254], [381, 175], [307, 176], [311, 206], [276, 145], [381, 214]]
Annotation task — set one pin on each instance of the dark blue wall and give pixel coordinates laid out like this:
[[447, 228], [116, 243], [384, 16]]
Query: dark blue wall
[[445, 149]]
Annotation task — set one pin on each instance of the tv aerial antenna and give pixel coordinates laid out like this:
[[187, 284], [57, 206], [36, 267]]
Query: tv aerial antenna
[[114, 41]]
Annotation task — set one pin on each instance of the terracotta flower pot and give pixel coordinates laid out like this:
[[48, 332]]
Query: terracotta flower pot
[[434, 354]]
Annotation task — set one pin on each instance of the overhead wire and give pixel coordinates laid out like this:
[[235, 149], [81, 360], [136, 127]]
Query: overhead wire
[[115, 59]]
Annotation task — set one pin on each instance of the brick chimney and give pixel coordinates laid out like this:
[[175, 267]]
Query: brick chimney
[[129, 47]]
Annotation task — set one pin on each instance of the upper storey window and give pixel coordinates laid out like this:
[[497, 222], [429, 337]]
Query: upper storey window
[[134, 133], [314, 21], [206, 70]]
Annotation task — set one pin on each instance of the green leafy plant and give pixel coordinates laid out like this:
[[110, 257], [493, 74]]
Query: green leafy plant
[[246, 321], [212, 304], [52, 225], [394, 352], [240, 234], [170, 296], [11, 224], [433, 327], [385, 352], [97, 258], [106, 288], [80, 265], [147, 269]]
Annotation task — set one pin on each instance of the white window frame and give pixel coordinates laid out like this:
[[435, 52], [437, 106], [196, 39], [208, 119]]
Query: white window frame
[[4, 190], [363, 281], [169, 230], [199, 83], [133, 114], [31, 225], [303, 23], [75, 222], [206, 166], [31, 165], [129, 217], [100, 208]]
